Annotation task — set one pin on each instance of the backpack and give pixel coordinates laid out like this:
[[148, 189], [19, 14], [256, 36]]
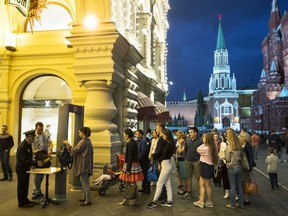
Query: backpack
[[64, 157], [42, 156]]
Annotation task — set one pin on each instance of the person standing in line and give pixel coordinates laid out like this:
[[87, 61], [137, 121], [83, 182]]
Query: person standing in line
[[153, 147], [233, 157], [24, 158], [42, 141], [131, 172], [83, 162], [217, 141], [143, 153], [208, 158], [158, 152], [248, 151], [180, 164], [6, 143], [255, 139], [191, 157], [225, 179], [272, 162], [165, 166]]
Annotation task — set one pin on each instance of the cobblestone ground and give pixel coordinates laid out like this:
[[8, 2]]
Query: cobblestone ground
[[267, 202]]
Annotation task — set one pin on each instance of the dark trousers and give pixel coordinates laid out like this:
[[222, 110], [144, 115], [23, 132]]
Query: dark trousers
[[22, 185], [145, 183], [6, 168], [273, 180], [226, 184]]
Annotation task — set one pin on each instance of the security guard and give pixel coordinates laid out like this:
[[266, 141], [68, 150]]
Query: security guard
[[23, 164]]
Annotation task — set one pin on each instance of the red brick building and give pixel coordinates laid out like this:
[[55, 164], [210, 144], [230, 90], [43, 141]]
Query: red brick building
[[269, 109]]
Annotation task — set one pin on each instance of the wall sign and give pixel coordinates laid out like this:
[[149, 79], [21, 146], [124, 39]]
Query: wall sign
[[21, 5]]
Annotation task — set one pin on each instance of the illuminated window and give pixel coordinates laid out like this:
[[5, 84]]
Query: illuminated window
[[54, 17]]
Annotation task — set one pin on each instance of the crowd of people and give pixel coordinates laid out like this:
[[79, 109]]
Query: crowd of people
[[212, 158]]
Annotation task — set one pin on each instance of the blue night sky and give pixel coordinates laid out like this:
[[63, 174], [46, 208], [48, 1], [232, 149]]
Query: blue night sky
[[192, 34]]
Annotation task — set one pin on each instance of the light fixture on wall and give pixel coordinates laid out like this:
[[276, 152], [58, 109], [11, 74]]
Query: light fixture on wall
[[10, 48]]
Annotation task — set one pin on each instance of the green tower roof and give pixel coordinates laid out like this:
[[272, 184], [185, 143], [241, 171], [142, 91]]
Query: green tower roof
[[220, 36]]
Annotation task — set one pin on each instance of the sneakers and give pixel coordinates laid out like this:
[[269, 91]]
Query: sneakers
[[167, 204], [230, 206], [151, 205], [226, 196], [209, 204], [179, 186], [199, 204], [37, 195], [186, 196], [181, 192], [236, 198]]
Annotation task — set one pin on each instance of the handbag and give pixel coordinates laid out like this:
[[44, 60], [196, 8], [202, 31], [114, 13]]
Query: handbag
[[244, 162], [64, 157], [152, 174], [251, 187], [130, 191]]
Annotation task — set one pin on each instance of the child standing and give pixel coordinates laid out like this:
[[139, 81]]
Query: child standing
[[272, 162]]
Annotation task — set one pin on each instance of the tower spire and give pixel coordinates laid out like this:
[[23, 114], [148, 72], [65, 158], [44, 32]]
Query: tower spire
[[220, 37], [275, 15], [184, 95]]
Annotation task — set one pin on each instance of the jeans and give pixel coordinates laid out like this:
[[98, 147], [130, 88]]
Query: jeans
[[273, 180], [4, 158], [164, 179], [84, 178], [283, 154], [38, 178], [234, 175], [255, 152]]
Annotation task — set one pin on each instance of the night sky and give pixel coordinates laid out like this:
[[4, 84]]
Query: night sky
[[192, 34]]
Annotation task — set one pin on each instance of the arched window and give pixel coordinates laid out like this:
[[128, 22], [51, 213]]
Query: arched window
[[54, 17]]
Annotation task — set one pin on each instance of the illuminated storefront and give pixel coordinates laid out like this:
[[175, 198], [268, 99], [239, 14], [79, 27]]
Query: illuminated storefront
[[93, 53]]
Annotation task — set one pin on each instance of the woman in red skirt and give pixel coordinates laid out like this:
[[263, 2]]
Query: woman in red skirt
[[131, 172]]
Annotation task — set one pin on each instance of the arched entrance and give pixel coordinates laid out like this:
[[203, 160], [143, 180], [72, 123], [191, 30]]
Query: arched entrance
[[226, 122], [39, 102]]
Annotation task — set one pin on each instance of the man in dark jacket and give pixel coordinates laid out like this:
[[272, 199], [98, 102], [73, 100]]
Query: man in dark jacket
[[6, 143], [274, 142], [23, 164], [143, 153]]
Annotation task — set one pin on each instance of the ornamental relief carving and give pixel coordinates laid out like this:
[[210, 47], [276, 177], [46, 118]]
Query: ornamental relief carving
[[100, 49]]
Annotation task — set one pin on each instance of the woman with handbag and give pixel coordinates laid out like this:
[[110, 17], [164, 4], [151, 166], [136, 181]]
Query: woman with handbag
[[246, 173], [233, 154], [83, 162], [131, 172], [153, 162], [165, 164]]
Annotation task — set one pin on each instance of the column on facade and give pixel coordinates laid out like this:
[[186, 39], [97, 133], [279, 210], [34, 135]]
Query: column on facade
[[144, 35], [4, 102]]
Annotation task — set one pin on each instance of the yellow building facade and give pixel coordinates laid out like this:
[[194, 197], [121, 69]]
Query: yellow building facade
[[93, 53]]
